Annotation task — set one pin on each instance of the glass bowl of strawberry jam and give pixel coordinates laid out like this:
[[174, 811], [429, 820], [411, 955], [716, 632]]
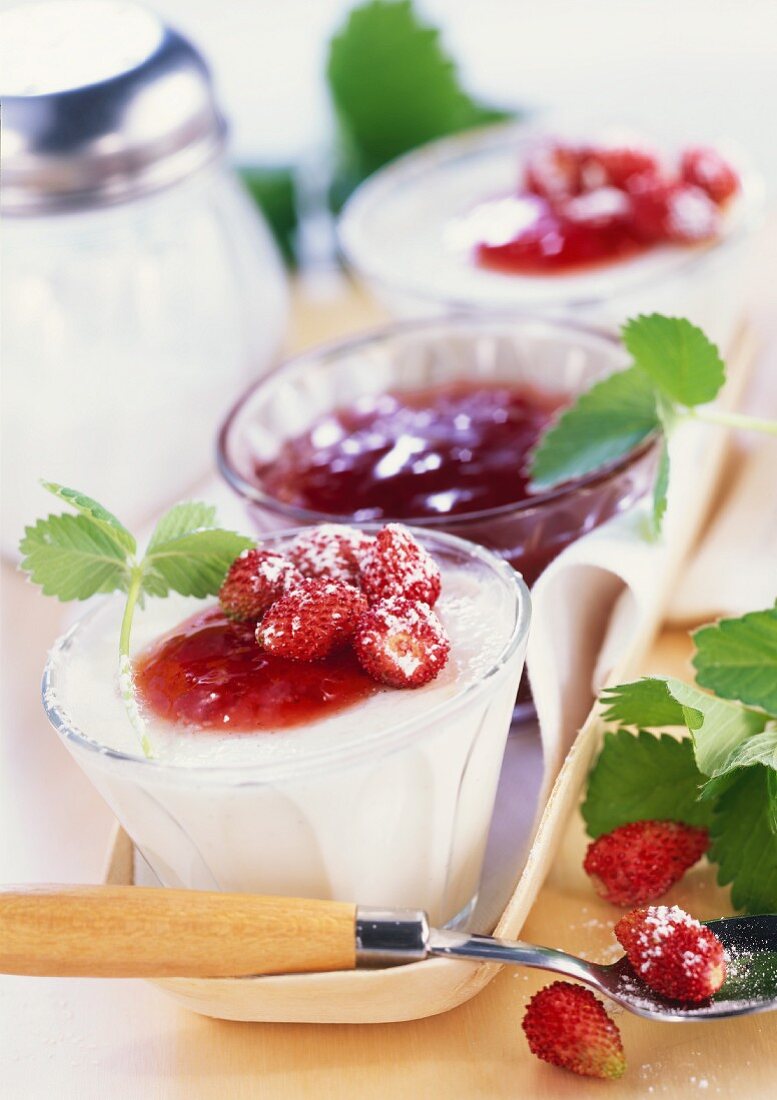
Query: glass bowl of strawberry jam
[[294, 777], [432, 423], [603, 223]]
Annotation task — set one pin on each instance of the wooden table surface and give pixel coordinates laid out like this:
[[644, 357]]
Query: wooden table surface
[[121, 1040]]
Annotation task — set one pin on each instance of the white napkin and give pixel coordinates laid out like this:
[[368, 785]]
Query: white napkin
[[605, 592]]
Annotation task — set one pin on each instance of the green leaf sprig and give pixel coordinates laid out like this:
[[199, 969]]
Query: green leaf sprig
[[393, 86], [676, 371], [724, 775], [77, 556]]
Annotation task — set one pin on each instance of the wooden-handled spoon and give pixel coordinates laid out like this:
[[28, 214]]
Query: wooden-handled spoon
[[136, 932]]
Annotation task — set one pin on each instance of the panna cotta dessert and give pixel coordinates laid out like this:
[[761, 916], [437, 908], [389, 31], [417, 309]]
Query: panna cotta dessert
[[600, 221], [332, 727]]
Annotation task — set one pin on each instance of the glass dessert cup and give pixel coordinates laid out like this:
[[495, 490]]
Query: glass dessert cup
[[394, 811], [405, 233], [555, 356]]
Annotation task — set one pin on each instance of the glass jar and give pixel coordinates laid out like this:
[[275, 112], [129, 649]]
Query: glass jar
[[141, 289]]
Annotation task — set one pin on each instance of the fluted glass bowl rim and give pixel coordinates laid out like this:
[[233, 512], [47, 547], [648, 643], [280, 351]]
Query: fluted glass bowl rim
[[326, 353]]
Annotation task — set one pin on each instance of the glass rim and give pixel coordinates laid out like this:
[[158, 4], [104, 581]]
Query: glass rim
[[256, 495], [316, 761], [418, 162]]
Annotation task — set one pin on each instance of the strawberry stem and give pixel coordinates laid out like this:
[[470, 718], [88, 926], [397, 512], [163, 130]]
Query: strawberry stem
[[126, 677], [735, 420]]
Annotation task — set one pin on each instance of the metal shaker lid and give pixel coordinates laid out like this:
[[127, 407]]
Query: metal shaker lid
[[101, 102]]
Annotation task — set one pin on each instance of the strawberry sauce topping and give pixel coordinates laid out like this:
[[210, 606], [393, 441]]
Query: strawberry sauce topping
[[210, 673], [583, 206], [285, 648]]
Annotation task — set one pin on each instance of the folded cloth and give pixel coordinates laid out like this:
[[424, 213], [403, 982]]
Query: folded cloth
[[596, 606], [735, 567]]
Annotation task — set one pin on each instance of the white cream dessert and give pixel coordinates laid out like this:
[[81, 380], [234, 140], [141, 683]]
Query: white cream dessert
[[386, 801], [412, 230]]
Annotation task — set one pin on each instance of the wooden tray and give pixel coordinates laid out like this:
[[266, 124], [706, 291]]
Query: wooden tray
[[515, 872]]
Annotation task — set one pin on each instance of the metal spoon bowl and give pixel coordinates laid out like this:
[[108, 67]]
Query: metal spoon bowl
[[750, 985]]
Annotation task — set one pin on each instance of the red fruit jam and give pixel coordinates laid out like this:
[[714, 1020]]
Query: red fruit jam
[[547, 240], [447, 450], [210, 673]]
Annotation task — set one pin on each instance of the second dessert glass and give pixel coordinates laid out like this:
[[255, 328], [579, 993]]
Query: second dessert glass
[[556, 356]]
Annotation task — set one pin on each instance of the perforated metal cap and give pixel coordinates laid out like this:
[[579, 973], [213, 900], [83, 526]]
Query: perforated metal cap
[[101, 102]]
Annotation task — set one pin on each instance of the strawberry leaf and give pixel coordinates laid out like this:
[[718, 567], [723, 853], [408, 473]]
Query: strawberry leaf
[[74, 557], [743, 841], [679, 359], [718, 726], [394, 87], [193, 564], [737, 658], [643, 777], [182, 519], [605, 424], [661, 487], [646, 704], [88, 507]]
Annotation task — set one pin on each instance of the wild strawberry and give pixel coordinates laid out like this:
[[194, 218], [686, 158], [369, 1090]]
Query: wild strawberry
[[553, 172], [568, 1027], [255, 580], [672, 953], [692, 215], [401, 642], [706, 168], [665, 210], [612, 167], [331, 550], [638, 863], [396, 565], [311, 620], [599, 209]]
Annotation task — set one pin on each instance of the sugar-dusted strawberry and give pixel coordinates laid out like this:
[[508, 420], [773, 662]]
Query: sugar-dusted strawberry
[[568, 1027], [396, 565], [706, 168], [401, 643], [613, 166], [692, 215], [598, 209], [255, 580], [553, 172], [331, 550], [668, 210], [638, 863], [673, 953], [312, 619]]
